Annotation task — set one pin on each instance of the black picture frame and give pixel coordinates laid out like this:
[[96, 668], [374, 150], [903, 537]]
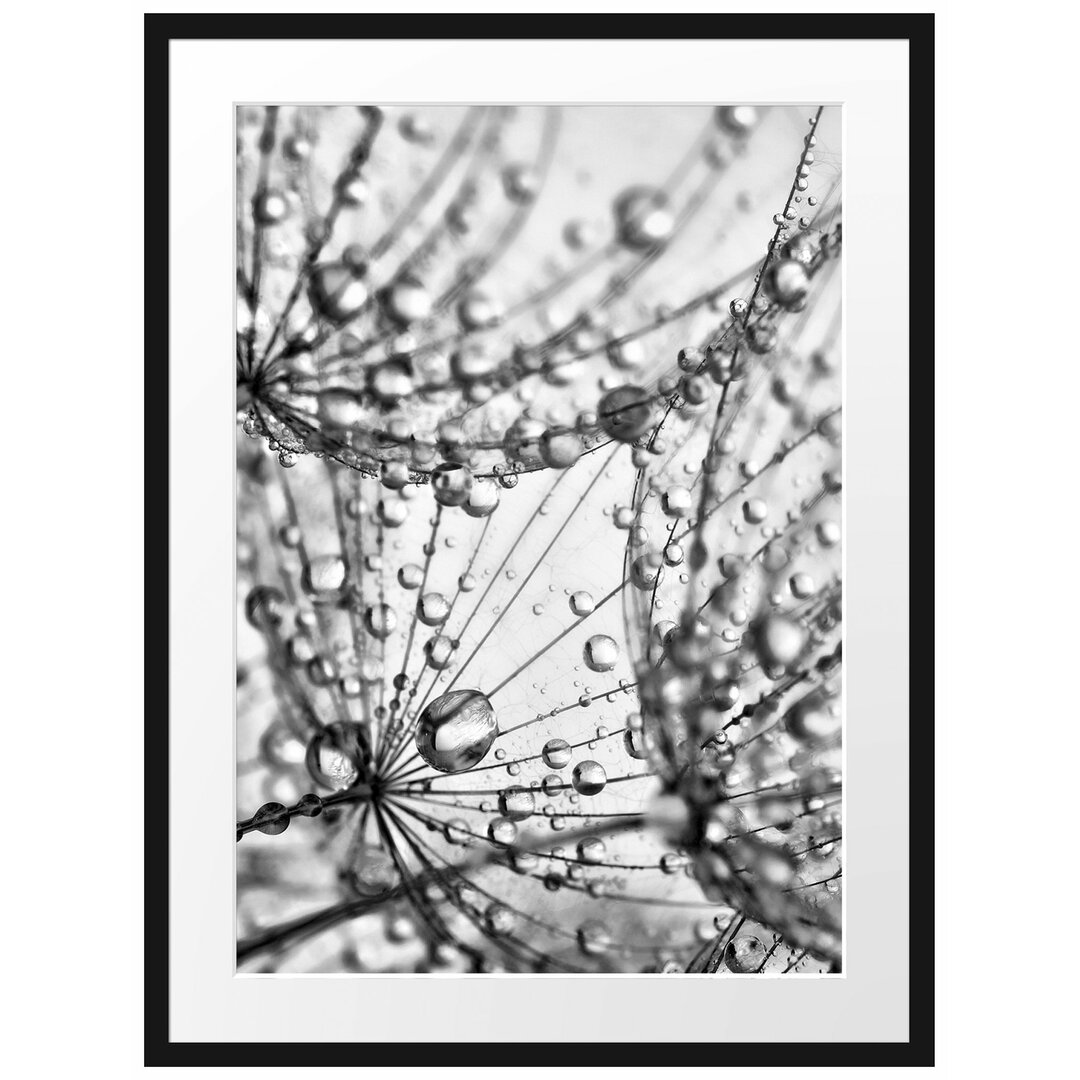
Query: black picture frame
[[159, 31]]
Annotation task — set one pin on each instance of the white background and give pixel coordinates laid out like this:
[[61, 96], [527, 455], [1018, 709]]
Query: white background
[[73, 630]]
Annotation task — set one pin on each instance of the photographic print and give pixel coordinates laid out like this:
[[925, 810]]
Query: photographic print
[[539, 637]]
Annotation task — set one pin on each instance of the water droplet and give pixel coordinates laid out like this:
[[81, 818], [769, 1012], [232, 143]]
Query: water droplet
[[456, 730], [589, 778], [581, 603], [432, 608], [643, 218], [337, 755], [601, 653], [556, 754], [517, 803]]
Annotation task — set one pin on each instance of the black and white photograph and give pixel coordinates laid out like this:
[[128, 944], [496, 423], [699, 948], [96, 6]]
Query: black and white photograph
[[539, 516]]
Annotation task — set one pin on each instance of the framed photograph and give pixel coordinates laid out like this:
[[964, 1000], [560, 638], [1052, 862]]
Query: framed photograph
[[539, 429]]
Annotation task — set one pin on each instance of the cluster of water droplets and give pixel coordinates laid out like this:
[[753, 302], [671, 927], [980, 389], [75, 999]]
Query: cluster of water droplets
[[539, 539]]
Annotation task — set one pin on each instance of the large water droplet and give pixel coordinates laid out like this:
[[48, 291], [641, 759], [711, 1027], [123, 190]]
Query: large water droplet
[[456, 730]]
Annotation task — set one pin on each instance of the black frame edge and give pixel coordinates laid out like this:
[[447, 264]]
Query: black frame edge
[[159, 31]]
